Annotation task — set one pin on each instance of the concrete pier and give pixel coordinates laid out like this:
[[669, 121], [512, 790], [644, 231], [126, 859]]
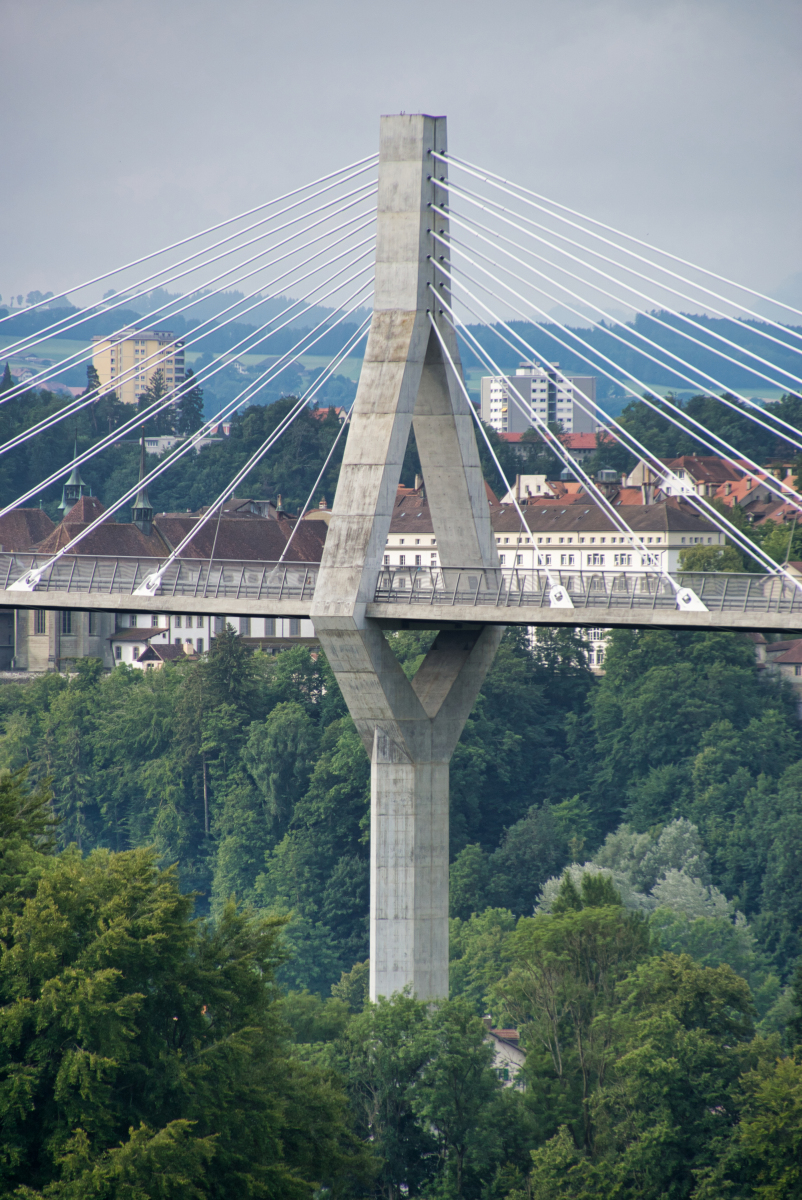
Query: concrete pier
[[409, 728]]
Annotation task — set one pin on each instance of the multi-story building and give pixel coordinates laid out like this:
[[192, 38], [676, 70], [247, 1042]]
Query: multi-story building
[[578, 536], [552, 395], [37, 640], [127, 361], [583, 536]]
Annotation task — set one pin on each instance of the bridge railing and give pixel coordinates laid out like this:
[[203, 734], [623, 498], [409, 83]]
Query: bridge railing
[[235, 579], [512, 587]]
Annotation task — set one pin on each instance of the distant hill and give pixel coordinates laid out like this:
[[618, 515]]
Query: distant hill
[[544, 338]]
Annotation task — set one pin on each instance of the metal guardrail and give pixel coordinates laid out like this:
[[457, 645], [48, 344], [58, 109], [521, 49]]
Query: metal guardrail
[[501, 587], [191, 578], [438, 587]]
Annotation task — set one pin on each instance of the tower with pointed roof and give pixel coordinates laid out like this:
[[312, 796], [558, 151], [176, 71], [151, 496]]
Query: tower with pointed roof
[[74, 487], [141, 509]]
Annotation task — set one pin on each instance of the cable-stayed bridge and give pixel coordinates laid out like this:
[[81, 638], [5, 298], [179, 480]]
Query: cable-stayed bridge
[[410, 597], [428, 251]]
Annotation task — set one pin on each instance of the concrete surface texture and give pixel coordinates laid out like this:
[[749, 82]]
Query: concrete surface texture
[[409, 728]]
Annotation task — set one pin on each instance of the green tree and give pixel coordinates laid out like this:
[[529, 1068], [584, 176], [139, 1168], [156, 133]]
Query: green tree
[[27, 836], [164, 421], [764, 1158], [136, 1040], [190, 406], [384, 1050], [710, 558], [455, 1091], [561, 994], [481, 954]]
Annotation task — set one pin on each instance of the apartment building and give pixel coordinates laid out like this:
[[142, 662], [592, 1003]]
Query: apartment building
[[126, 362], [554, 397]]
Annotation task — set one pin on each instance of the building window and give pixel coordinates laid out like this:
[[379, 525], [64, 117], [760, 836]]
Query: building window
[[219, 624], [402, 559], [92, 623], [622, 560], [66, 621], [519, 559], [154, 621], [178, 641], [132, 621], [501, 558], [295, 627], [199, 644], [798, 669], [417, 560], [177, 622], [595, 560], [40, 620], [387, 560], [118, 653], [566, 560], [245, 626], [270, 626]]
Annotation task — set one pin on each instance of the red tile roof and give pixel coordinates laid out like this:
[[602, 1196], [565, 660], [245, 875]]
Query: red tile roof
[[166, 653], [109, 540], [705, 468], [794, 655], [245, 537], [22, 528], [136, 635], [581, 441]]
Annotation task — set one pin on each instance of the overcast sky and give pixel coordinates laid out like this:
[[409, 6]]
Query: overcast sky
[[127, 124]]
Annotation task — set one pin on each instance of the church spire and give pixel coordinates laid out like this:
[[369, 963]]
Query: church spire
[[74, 487], [141, 509]]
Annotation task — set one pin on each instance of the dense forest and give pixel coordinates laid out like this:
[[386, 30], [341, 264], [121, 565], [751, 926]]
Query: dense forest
[[184, 934]]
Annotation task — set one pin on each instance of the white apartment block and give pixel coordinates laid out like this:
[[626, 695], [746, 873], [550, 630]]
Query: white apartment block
[[126, 362], [555, 398]]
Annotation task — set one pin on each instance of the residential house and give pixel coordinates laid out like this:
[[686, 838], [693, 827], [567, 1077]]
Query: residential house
[[508, 1056]]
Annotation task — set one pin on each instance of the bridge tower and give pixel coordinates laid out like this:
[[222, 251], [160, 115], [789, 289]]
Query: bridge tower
[[409, 728]]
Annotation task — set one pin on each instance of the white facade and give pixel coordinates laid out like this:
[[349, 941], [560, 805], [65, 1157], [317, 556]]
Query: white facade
[[552, 395], [597, 551], [405, 550], [197, 631]]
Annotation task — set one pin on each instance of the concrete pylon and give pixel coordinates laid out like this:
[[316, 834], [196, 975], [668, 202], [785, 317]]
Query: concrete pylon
[[409, 729]]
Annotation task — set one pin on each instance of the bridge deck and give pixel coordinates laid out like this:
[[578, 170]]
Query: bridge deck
[[405, 596]]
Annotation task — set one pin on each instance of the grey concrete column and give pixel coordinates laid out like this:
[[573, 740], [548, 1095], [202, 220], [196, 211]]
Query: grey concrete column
[[409, 729]]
